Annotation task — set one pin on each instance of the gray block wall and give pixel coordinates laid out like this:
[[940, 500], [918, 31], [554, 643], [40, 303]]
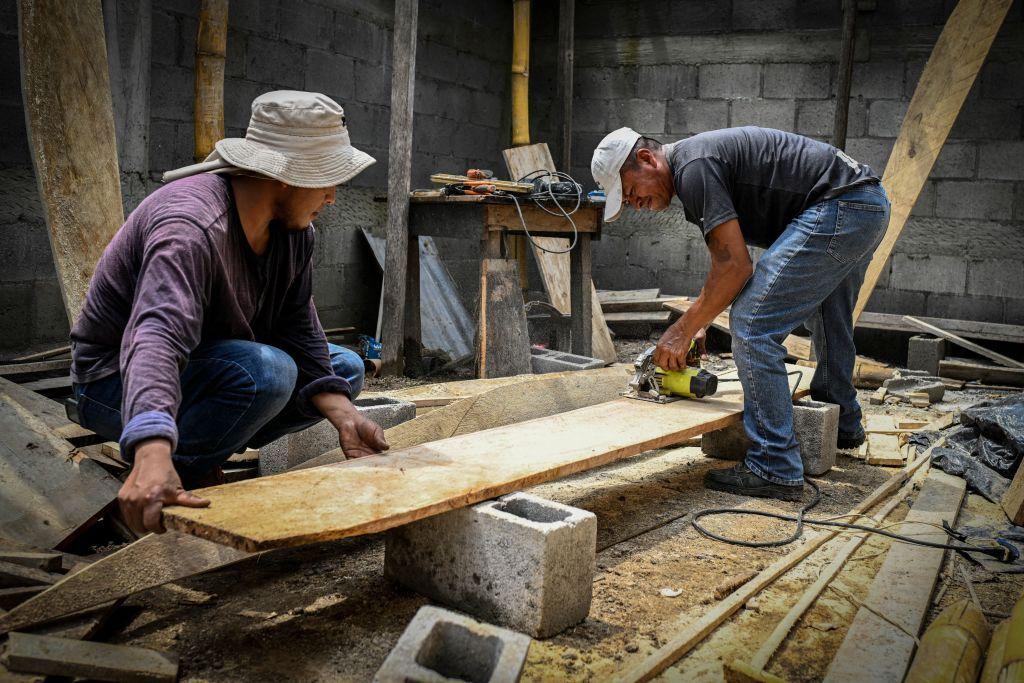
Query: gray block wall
[[339, 47], [665, 69]]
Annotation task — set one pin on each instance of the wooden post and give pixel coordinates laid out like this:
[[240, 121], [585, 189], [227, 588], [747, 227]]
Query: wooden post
[[580, 299], [211, 47], [520, 73], [129, 79], [566, 58], [399, 171], [945, 82], [842, 112]]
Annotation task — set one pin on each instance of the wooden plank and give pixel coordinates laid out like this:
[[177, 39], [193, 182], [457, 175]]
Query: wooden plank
[[503, 345], [947, 78], [653, 317], [960, 341], [845, 75], [883, 443], [581, 328], [690, 634], [46, 492], [639, 304], [77, 658], [991, 374], [43, 355], [384, 491], [504, 405], [49, 412], [47, 562], [74, 150], [880, 649], [211, 48], [965, 328], [13, 574], [1013, 500], [12, 597], [12, 369], [566, 58], [403, 80], [611, 296], [554, 268]]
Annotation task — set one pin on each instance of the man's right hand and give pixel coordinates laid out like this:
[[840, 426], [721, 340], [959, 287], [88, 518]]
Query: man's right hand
[[152, 484]]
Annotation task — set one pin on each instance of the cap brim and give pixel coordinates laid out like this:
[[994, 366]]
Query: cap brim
[[321, 170], [613, 201]]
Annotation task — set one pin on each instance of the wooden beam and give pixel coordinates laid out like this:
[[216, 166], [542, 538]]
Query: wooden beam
[[71, 137], [12, 369], [211, 49], [974, 329], [83, 659], [960, 341], [403, 80], [879, 648], [566, 59], [988, 374], [691, 633], [502, 344], [49, 412], [842, 111], [940, 93], [611, 296], [384, 491]]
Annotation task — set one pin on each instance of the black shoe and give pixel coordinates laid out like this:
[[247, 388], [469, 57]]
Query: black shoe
[[742, 481], [847, 442]]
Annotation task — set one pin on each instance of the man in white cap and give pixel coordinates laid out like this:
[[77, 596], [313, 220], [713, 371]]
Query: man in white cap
[[199, 336], [818, 214]]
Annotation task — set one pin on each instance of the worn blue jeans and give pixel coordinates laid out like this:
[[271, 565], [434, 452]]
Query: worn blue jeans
[[812, 273], [234, 394]]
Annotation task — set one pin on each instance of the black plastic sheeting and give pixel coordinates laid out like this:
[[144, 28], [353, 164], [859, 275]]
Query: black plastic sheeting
[[986, 449]]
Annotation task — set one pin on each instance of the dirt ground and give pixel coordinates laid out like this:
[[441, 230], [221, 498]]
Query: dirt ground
[[326, 613]]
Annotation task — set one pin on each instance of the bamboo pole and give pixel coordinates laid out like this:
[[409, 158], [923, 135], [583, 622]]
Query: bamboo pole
[[520, 73], [211, 47]]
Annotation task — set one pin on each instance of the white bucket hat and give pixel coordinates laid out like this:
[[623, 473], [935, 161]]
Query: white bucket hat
[[299, 138], [608, 158]]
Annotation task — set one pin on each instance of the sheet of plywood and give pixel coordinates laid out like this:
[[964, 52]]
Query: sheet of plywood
[[554, 268], [447, 325], [881, 640], [947, 78], [47, 490], [385, 491], [71, 137], [503, 405]]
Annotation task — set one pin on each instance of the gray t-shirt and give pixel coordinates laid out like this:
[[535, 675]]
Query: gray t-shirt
[[763, 177]]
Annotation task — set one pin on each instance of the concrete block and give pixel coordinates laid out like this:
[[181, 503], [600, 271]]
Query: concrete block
[[689, 117], [520, 561], [439, 646], [273, 61], [331, 74], [543, 361], [925, 352], [877, 80], [602, 83], [996, 277], [974, 199], [1001, 160], [296, 448], [729, 81], [815, 117], [804, 81], [817, 431], [957, 160], [780, 114], [666, 81], [923, 273], [982, 119], [885, 117], [905, 386], [645, 116], [1001, 80]]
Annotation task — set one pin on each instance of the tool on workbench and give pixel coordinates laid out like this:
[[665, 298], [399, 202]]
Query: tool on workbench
[[651, 383], [469, 188]]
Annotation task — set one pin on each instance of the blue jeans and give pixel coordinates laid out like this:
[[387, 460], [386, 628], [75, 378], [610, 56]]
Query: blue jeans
[[234, 394], [812, 273]]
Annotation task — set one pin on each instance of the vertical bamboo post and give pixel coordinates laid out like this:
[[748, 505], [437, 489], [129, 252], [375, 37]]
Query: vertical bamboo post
[[211, 47]]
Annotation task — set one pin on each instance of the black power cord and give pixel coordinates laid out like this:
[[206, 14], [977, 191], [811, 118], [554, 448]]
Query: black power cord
[[546, 191]]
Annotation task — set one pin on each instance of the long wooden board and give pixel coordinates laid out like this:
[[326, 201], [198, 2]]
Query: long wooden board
[[47, 410], [880, 649], [940, 93], [796, 347], [554, 268], [961, 369], [71, 137], [385, 491], [960, 341], [975, 329]]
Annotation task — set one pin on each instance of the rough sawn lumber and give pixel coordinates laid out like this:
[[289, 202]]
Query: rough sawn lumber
[[384, 491]]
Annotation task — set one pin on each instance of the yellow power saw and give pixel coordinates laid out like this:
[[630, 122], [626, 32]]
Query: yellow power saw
[[651, 383]]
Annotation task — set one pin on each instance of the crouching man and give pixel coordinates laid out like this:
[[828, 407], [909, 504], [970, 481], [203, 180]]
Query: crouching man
[[199, 337], [818, 214]]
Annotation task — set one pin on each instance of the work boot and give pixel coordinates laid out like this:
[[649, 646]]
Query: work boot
[[742, 481], [847, 442]]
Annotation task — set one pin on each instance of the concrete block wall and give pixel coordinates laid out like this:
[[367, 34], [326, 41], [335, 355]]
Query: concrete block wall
[[673, 69], [339, 47]]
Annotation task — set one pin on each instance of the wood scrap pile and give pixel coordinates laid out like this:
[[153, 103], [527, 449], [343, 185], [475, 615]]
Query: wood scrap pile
[[636, 312]]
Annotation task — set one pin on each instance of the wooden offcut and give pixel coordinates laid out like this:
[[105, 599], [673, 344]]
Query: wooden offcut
[[385, 491], [879, 648], [947, 78], [211, 49], [502, 340], [82, 659], [12, 575], [1013, 500], [554, 268], [71, 137], [883, 443]]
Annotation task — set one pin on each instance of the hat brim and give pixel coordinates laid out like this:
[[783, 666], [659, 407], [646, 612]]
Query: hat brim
[[306, 170], [613, 200]]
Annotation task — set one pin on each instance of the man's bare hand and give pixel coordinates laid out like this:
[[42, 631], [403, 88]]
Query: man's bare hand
[[674, 344], [152, 484], [358, 435]]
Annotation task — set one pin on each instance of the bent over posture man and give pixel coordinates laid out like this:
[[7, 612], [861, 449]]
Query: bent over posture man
[[818, 214], [199, 336]]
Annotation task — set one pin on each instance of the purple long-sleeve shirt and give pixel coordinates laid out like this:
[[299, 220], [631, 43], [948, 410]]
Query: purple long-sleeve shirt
[[179, 272]]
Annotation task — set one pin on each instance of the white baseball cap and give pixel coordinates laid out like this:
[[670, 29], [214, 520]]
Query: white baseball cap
[[608, 159]]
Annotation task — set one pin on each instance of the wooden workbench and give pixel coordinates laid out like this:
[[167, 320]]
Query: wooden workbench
[[487, 219]]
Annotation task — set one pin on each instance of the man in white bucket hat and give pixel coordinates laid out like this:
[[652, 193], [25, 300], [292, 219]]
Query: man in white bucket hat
[[818, 214], [199, 336]]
